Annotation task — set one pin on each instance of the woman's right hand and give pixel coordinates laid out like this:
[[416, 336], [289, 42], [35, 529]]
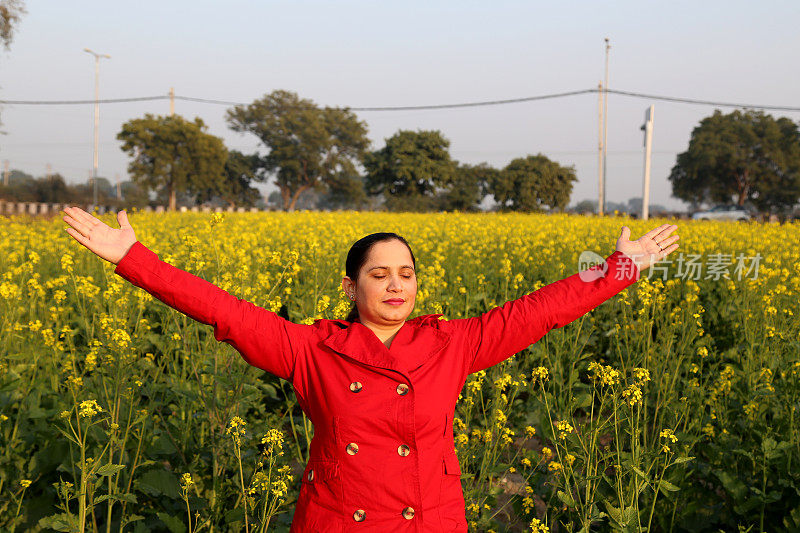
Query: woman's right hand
[[109, 243]]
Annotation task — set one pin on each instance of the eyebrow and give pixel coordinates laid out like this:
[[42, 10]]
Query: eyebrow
[[387, 268]]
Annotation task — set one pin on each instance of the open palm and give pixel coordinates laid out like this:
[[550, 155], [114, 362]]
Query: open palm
[[650, 247], [109, 243]]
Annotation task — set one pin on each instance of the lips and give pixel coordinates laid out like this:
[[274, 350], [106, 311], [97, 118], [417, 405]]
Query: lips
[[394, 301]]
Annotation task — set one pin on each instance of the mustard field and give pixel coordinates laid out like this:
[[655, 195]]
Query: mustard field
[[673, 406]]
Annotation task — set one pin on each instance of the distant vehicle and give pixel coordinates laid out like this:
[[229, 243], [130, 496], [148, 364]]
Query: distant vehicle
[[723, 212]]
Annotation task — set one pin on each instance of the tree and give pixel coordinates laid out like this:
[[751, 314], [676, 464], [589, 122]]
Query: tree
[[409, 169], [533, 183], [21, 187], [468, 188], [344, 192], [10, 13], [309, 147], [742, 156], [635, 206], [133, 195], [173, 154], [241, 171], [52, 189], [84, 192], [586, 206]]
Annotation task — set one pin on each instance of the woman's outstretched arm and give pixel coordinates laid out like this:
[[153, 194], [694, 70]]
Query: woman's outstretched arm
[[264, 339], [506, 330]]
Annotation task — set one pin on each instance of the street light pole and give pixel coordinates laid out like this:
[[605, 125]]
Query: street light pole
[[96, 116], [605, 127], [648, 151]]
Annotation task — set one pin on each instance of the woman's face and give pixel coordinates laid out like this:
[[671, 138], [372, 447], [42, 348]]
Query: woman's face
[[386, 288]]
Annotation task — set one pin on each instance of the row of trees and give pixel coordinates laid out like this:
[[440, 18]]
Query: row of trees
[[743, 156], [53, 188], [323, 152]]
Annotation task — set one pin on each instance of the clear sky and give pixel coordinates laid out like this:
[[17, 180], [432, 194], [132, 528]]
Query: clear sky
[[359, 54]]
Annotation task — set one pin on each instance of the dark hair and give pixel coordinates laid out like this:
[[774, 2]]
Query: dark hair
[[357, 256]]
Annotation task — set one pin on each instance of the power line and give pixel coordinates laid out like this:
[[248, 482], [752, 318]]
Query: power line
[[475, 104], [484, 103], [701, 102], [71, 102]]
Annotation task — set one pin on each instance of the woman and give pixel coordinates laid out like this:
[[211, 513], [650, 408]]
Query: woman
[[381, 390]]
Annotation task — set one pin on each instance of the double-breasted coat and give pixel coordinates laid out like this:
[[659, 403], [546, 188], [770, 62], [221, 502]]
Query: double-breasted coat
[[383, 457]]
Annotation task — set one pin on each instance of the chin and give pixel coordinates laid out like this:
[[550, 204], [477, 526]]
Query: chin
[[400, 313]]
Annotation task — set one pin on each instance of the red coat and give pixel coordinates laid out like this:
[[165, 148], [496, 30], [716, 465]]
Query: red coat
[[383, 457]]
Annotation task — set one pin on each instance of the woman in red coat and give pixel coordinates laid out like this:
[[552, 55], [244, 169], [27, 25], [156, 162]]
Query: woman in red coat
[[381, 390]]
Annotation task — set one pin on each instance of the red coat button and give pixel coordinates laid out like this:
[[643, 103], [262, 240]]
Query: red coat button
[[359, 515], [352, 448], [402, 389], [408, 513], [355, 386], [403, 450]]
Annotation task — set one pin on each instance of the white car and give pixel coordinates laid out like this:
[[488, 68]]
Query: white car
[[723, 212]]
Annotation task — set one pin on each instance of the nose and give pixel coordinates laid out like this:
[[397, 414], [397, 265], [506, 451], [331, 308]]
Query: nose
[[395, 284]]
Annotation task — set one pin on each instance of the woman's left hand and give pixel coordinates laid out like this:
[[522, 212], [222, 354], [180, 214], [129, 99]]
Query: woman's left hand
[[649, 248]]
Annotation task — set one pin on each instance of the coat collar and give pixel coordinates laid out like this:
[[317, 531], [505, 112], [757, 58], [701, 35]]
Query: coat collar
[[416, 341]]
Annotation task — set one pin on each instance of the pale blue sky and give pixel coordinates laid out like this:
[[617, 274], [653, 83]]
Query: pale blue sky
[[410, 53]]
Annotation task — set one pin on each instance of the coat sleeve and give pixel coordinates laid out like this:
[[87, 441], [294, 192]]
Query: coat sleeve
[[504, 331], [264, 339]]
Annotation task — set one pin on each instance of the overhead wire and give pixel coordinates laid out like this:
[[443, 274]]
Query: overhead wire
[[483, 103]]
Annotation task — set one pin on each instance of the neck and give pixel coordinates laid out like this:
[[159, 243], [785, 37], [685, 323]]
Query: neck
[[384, 332]]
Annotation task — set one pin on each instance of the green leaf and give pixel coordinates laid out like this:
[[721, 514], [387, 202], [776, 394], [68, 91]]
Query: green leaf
[[613, 513], [641, 474], [733, 485], [583, 400], [59, 522], [174, 524], [681, 460], [131, 518], [566, 498], [36, 412], [270, 390], [109, 469], [629, 515], [234, 515], [770, 448], [159, 482], [666, 485], [127, 497], [162, 446]]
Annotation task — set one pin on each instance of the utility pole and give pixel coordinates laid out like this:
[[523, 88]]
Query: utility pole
[[5, 173], [96, 115], [119, 191], [601, 189], [605, 124], [172, 101], [648, 150]]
